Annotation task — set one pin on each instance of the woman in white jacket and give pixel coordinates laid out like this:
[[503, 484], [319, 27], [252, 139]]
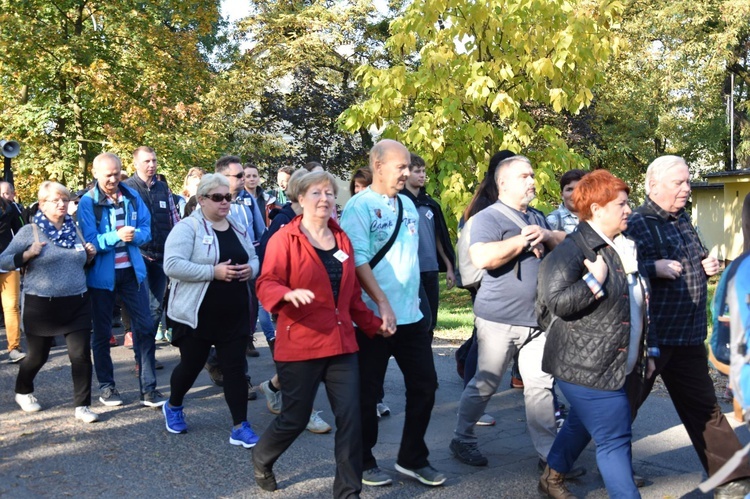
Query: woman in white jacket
[[210, 259]]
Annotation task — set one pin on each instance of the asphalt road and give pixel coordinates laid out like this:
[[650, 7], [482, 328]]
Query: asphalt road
[[130, 454]]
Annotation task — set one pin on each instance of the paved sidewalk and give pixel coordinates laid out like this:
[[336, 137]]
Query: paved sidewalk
[[130, 454]]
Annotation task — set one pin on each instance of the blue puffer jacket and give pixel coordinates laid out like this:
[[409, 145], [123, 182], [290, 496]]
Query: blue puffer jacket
[[103, 235]]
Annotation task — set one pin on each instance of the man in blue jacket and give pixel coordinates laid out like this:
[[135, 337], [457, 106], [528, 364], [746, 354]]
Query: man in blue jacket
[[117, 222]]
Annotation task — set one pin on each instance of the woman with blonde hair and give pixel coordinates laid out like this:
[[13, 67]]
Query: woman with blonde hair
[[55, 298]]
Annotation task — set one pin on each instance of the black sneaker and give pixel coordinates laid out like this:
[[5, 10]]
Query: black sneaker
[[251, 351], [467, 453], [153, 399], [110, 397]]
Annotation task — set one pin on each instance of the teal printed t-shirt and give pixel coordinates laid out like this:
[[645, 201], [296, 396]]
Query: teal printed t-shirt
[[369, 220]]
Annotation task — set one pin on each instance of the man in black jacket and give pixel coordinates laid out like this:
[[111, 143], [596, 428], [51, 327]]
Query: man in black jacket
[[164, 215], [435, 248]]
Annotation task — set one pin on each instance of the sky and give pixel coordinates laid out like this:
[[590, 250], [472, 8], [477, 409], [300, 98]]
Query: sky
[[235, 9]]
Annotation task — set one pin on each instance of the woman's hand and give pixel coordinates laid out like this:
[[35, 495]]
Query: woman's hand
[[598, 268], [90, 252], [244, 272], [299, 297], [33, 251], [222, 271]]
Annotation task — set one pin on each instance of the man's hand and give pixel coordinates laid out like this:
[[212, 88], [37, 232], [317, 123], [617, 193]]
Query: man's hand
[[450, 279], [535, 234], [710, 266], [668, 269], [388, 317], [126, 233], [650, 367]]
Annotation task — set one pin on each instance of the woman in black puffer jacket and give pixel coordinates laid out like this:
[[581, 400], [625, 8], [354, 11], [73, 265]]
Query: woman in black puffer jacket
[[592, 290]]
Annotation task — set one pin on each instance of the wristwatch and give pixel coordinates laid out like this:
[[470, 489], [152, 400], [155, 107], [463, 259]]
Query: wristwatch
[[653, 352]]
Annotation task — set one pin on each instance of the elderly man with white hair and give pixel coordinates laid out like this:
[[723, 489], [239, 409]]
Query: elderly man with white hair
[[678, 266]]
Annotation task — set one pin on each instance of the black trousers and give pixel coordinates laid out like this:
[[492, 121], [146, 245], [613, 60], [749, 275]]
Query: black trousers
[[684, 370], [231, 357], [431, 287], [79, 352], [411, 346], [299, 384]]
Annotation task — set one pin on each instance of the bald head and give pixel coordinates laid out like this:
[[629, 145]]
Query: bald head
[[106, 170], [515, 182], [389, 163], [7, 191]]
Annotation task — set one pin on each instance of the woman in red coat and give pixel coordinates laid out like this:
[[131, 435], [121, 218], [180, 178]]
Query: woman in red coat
[[309, 280]]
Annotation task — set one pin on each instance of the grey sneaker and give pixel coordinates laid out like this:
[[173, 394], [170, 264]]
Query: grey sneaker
[[375, 477], [110, 397], [427, 475], [316, 423], [273, 399], [85, 414], [16, 355], [467, 453], [28, 402], [153, 399]]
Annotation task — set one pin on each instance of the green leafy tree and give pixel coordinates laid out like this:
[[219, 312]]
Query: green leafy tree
[[81, 76], [475, 77]]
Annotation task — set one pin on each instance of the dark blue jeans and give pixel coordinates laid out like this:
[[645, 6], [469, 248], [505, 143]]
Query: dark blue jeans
[[135, 298], [157, 285], [605, 416]]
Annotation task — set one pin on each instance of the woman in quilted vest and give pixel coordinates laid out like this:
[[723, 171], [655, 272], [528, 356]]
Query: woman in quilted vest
[[592, 290]]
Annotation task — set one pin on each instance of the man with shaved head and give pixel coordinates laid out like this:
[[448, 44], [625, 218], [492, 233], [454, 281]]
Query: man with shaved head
[[383, 227]]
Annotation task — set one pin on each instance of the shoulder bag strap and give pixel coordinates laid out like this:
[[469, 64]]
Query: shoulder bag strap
[[381, 253], [35, 229]]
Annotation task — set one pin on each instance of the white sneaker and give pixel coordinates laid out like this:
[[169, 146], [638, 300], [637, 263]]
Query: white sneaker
[[383, 409], [486, 420], [85, 414], [316, 424], [28, 402]]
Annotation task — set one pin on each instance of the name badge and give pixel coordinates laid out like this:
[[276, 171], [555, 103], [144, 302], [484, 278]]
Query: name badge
[[248, 202], [341, 256], [134, 216], [429, 215], [412, 229], [79, 247], [163, 204], [208, 239]]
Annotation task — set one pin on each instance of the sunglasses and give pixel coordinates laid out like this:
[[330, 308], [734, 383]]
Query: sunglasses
[[239, 175], [218, 198]]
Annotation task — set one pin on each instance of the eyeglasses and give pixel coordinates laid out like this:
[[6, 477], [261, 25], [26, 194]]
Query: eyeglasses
[[58, 201], [239, 175], [218, 198]]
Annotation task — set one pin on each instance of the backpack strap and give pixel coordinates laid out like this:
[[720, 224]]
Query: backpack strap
[[382, 252]]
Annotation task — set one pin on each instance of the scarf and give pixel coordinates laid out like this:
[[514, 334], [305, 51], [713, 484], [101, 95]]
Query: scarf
[[66, 237]]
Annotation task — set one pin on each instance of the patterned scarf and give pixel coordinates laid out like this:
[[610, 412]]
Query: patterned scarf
[[66, 237]]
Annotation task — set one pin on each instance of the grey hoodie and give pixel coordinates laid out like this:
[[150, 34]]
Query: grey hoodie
[[190, 253]]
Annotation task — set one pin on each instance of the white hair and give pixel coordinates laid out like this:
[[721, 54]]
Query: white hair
[[211, 181], [659, 167], [48, 187], [508, 162]]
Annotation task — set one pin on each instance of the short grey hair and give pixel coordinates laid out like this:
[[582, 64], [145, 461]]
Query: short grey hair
[[508, 162], [315, 178], [659, 167], [48, 187], [292, 187], [209, 182]]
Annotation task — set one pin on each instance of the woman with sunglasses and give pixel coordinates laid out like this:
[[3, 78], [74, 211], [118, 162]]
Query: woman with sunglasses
[[211, 259]]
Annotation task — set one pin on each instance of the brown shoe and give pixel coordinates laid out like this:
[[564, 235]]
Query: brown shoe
[[552, 484]]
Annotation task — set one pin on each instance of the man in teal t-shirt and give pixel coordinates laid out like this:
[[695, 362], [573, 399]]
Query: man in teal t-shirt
[[391, 290]]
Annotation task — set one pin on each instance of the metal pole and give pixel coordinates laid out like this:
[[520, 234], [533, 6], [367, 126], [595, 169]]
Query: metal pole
[[731, 121], [7, 172]]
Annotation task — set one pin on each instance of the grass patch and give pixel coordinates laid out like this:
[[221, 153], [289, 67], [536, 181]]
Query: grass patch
[[455, 314]]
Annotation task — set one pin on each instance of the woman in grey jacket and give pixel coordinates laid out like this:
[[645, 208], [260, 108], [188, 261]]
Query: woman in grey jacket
[[55, 299], [210, 259]]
